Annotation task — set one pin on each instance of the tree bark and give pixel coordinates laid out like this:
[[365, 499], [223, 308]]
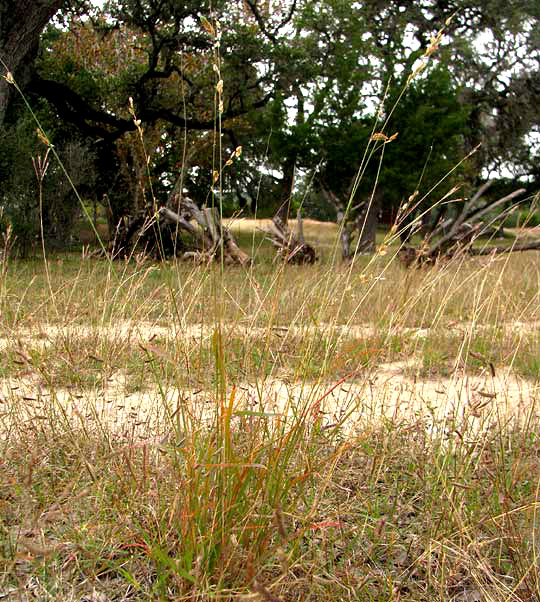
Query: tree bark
[[283, 212], [366, 224], [345, 229], [21, 23]]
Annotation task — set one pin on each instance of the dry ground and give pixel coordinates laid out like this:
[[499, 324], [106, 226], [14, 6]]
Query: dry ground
[[395, 389], [321, 433]]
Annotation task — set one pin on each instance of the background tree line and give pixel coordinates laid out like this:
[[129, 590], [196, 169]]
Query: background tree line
[[144, 97]]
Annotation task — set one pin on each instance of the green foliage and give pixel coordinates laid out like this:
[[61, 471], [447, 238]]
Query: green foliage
[[20, 188], [431, 123], [523, 218], [304, 86]]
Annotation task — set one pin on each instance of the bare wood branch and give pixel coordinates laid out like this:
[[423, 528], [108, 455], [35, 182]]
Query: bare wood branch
[[517, 247], [463, 215], [447, 238], [174, 217], [501, 201], [291, 248], [211, 236]]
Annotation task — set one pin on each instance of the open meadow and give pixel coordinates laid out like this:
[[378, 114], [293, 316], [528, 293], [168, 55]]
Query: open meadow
[[196, 406], [329, 432]]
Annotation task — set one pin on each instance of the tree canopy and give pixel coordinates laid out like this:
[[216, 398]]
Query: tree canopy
[[414, 97]]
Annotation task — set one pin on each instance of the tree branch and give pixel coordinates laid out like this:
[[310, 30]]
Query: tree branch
[[260, 21], [73, 108]]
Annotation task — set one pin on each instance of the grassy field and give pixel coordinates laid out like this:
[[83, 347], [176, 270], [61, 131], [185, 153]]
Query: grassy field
[[331, 432]]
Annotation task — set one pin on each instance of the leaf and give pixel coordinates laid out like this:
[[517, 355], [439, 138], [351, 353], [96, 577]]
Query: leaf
[[208, 26]]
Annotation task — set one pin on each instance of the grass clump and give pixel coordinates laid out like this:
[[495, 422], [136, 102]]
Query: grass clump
[[271, 433], [255, 502]]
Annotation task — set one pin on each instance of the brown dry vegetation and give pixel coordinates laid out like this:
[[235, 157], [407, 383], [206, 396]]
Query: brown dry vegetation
[[295, 433]]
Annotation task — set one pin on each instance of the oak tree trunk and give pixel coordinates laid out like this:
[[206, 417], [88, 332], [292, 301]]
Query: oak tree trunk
[[287, 183], [21, 23], [366, 224]]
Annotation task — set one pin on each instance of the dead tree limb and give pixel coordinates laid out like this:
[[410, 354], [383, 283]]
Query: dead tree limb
[[468, 213], [515, 248], [211, 237], [157, 233], [291, 247], [458, 236]]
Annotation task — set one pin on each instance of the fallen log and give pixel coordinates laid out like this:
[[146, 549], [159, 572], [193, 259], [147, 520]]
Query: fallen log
[[213, 240], [291, 247], [414, 257], [515, 248], [458, 237]]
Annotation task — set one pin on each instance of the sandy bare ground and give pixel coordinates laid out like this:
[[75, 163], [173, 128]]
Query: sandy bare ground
[[386, 393], [244, 224], [388, 390], [141, 331]]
